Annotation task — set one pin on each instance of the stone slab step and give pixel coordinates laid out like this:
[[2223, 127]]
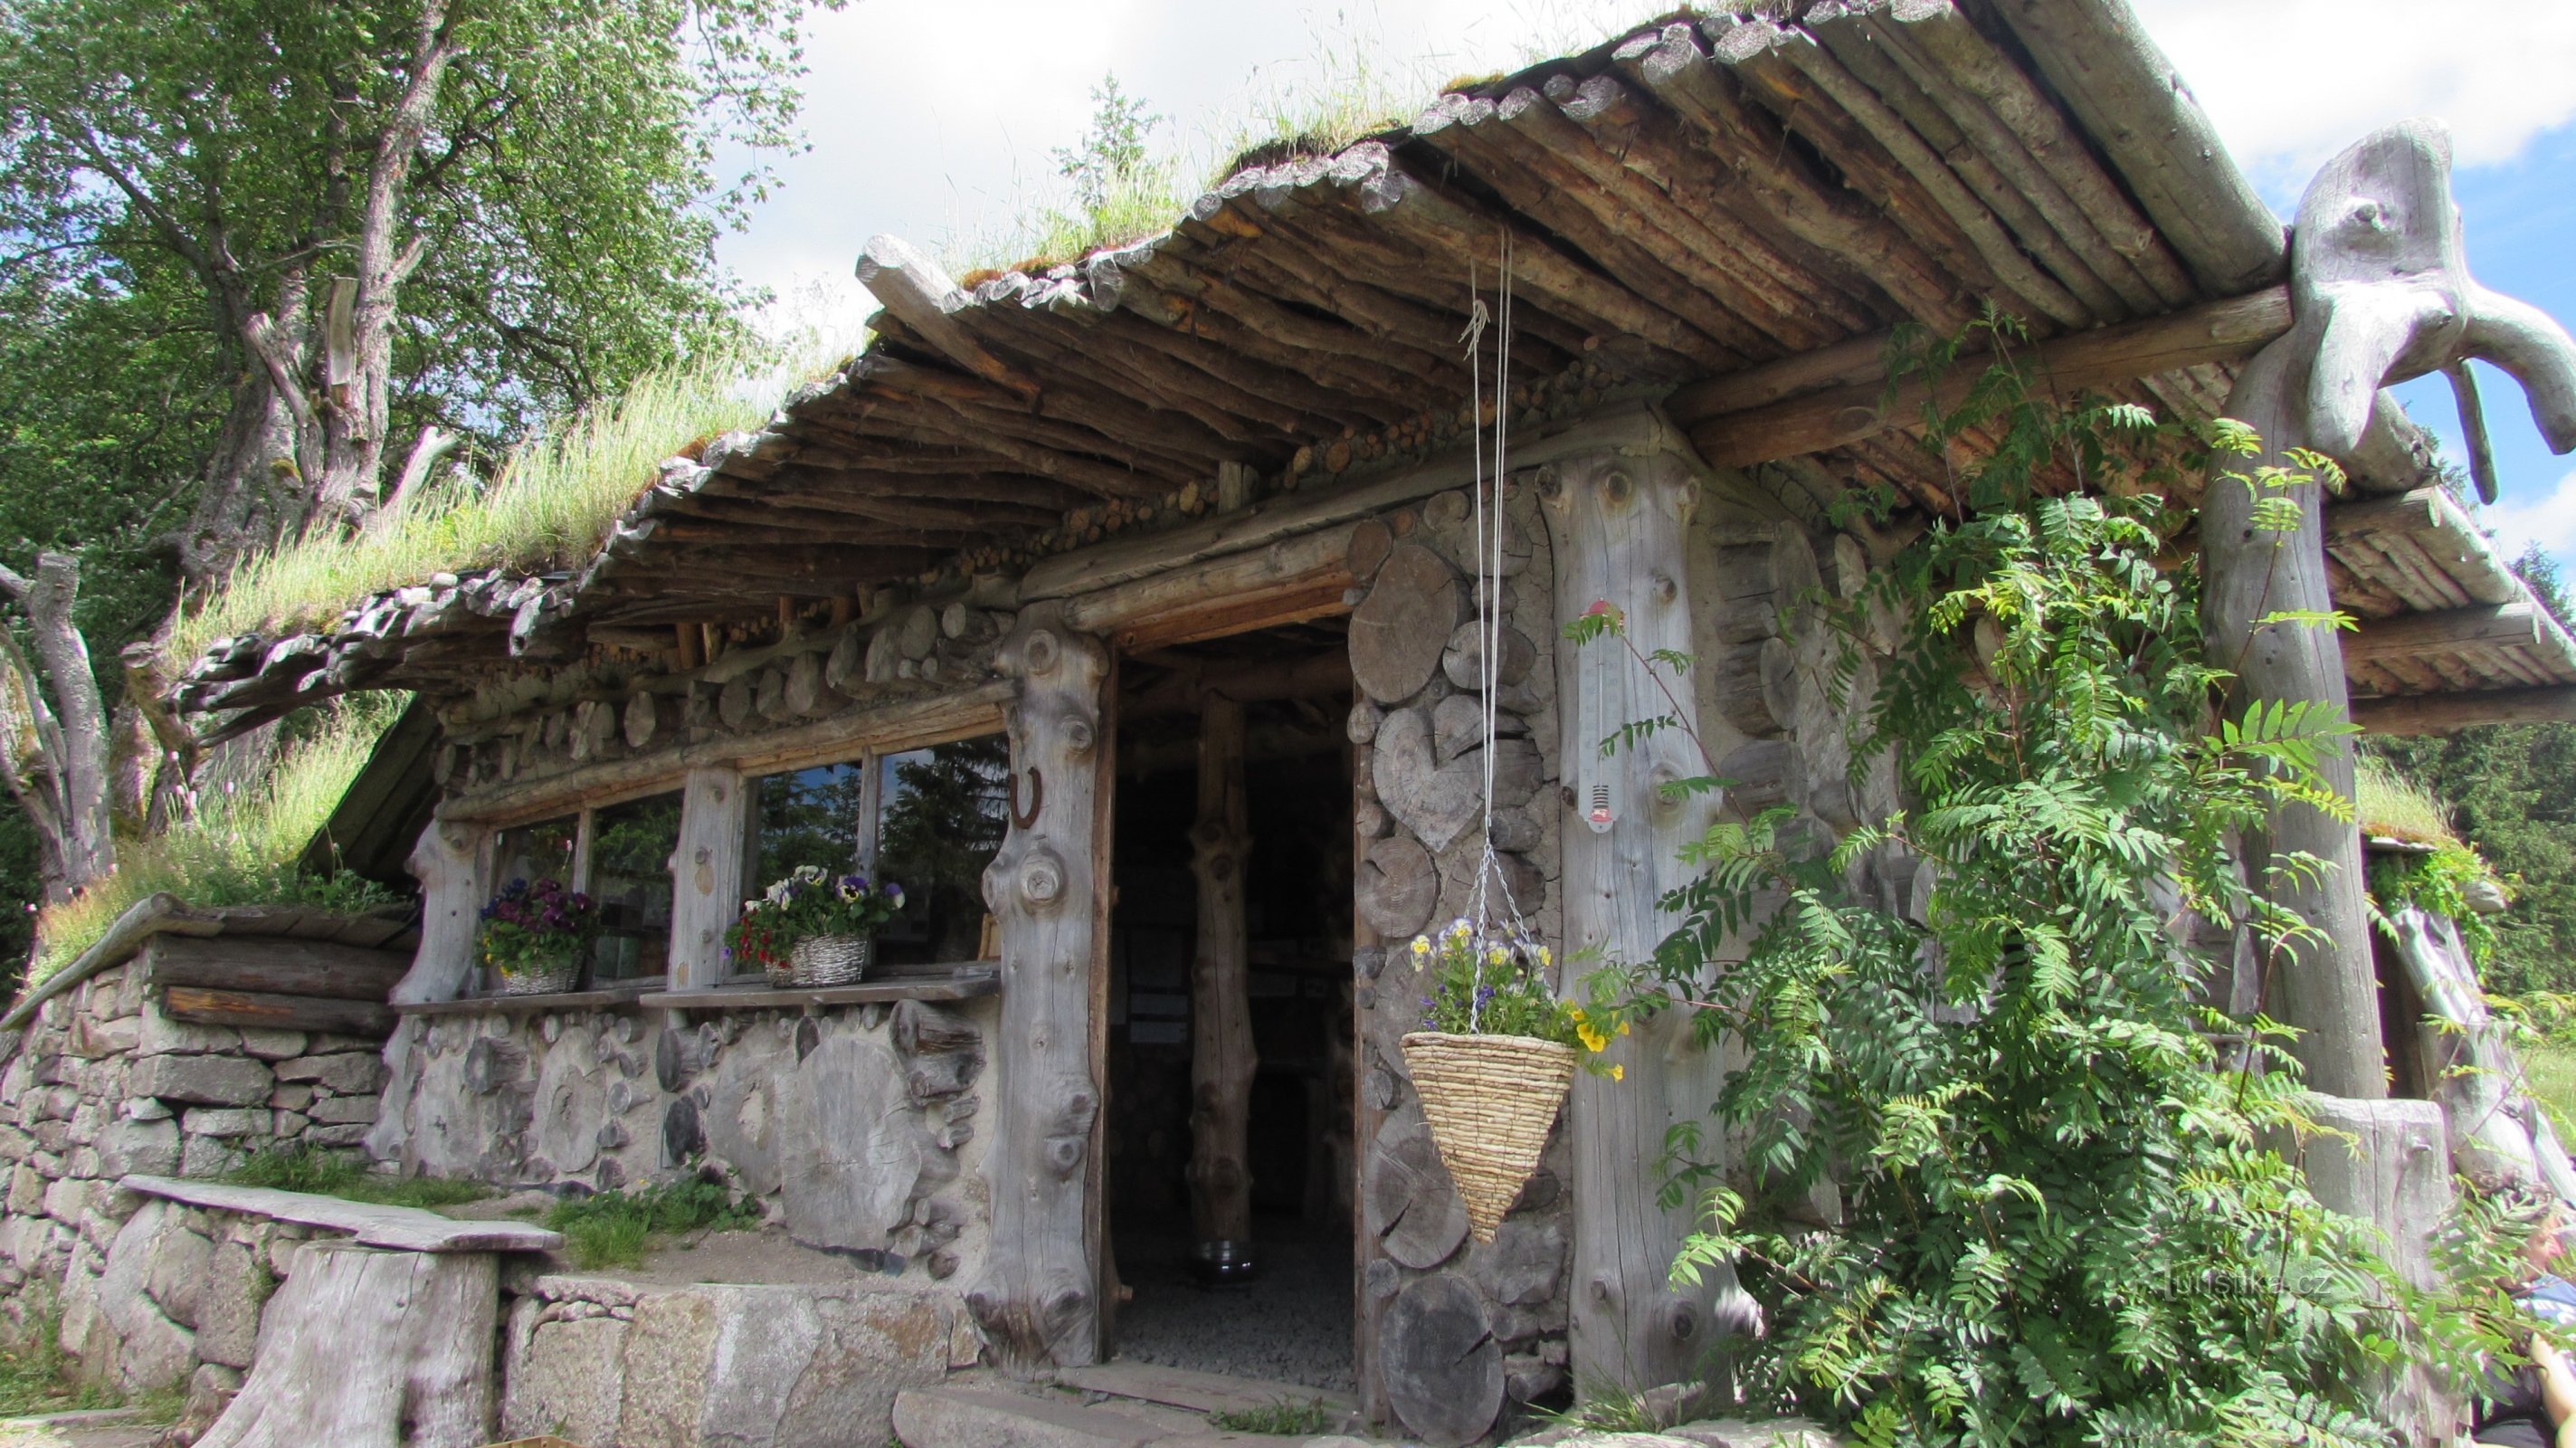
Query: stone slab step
[[1197, 1391], [968, 1418], [407, 1229]]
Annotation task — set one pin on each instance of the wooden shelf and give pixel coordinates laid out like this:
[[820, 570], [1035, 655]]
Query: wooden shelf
[[520, 1005], [963, 982]]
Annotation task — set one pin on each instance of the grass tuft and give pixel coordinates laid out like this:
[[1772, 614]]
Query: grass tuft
[[550, 507], [241, 845], [616, 1228], [2391, 806], [1281, 1415], [35, 1377], [292, 1167]]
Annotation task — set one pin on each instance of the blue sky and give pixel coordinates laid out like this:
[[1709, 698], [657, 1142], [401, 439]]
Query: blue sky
[[938, 131]]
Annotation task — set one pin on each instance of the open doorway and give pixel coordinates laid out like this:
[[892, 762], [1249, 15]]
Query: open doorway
[[1278, 1304]]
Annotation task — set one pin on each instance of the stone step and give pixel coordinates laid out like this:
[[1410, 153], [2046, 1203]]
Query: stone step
[[1197, 1391], [970, 1418]]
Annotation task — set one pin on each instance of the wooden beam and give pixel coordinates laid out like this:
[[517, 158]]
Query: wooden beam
[[199, 1005], [1251, 681], [2410, 634], [1815, 421], [274, 965], [1222, 1057], [921, 296], [707, 874], [2444, 713]]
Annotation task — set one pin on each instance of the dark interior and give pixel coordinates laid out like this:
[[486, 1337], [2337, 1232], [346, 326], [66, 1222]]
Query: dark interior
[[1292, 1321]]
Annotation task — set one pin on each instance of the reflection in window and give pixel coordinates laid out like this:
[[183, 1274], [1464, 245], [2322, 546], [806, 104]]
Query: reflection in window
[[811, 817], [630, 874], [541, 851], [942, 819]]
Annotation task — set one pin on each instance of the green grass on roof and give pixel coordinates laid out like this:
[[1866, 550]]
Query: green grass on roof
[[242, 844], [550, 507], [2391, 806]]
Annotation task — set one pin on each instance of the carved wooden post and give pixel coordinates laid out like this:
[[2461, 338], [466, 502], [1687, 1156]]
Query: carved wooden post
[[1039, 1298], [1618, 524], [449, 864], [2380, 292], [706, 875], [1221, 1053]]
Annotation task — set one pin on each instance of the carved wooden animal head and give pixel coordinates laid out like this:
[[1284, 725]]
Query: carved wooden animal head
[[2379, 279]]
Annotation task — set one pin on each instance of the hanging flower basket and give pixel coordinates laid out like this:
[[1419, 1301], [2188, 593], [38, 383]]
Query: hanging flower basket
[[1494, 1059], [1490, 1101], [819, 960]]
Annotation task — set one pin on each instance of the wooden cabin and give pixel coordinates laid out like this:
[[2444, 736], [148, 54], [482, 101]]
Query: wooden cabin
[[1121, 608]]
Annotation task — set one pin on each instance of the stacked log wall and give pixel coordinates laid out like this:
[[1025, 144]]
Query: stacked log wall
[[1419, 784]]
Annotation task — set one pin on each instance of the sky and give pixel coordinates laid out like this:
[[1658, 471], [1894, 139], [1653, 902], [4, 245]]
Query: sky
[[940, 131]]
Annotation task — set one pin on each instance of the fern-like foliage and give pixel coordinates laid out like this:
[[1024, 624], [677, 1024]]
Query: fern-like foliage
[[2058, 1219]]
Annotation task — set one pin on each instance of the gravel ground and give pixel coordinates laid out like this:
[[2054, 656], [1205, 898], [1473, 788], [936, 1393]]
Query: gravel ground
[[1291, 1324]]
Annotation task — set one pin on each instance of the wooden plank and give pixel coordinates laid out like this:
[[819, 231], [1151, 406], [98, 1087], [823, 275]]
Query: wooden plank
[[1199, 1392], [274, 966], [2444, 712], [1302, 568], [2445, 631], [522, 1005], [1815, 421], [962, 986], [404, 1229], [199, 1005], [1222, 1055]]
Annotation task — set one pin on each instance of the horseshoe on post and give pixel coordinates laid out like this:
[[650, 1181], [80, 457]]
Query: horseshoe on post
[[1037, 798]]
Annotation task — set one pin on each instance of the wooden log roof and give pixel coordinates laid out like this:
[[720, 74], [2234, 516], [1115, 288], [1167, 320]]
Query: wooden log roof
[[1726, 214]]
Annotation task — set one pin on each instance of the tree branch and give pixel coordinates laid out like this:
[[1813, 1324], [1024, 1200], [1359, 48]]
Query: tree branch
[[89, 845]]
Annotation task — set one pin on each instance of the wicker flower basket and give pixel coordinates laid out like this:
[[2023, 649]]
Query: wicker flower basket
[[781, 973], [553, 977], [831, 959], [1490, 1101]]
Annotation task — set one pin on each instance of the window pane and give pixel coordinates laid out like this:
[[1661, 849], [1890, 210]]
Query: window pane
[[943, 818], [630, 875], [810, 817], [541, 851]]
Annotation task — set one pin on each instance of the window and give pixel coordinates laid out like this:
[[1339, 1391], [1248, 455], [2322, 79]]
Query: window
[[629, 874], [812, 817], [546, 850], [944, 813]]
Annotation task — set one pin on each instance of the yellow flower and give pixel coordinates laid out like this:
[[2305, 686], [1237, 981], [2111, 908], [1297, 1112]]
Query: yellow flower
[[1623, 1028], [1592, 1039], [1618, 1073], [1497, 955], [1545, 956], [1421, 947]]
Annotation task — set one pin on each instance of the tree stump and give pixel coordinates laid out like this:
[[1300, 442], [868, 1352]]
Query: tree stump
[[365, 1348], [1413, 1209]]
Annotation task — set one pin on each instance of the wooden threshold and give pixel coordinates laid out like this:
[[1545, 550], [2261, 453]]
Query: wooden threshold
[[980, 978]]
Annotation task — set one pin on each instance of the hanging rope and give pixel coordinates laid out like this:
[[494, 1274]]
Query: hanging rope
[[1490, 879]]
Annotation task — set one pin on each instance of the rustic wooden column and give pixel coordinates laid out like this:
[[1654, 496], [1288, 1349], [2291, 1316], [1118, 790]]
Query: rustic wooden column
[[1618, 524], [454, 881], [1221, 1053], [1039, 1298], [706, 874], [2380, 292]]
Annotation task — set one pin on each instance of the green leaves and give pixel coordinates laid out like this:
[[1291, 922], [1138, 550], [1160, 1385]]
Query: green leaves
[[2055, 1226]]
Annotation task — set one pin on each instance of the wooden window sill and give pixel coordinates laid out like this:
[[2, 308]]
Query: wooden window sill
[[963, 981], [606, 998]]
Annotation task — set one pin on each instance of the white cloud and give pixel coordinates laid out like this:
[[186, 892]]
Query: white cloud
[[2548, 521], [2291, 82]]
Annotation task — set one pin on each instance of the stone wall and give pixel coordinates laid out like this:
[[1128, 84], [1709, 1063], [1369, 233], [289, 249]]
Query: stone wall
[[103, 1083], [178, 1301], [780, 1366], [855, 1128]]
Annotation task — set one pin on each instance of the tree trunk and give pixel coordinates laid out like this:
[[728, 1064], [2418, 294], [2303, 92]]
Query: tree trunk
[[1221, 1051], [1039, 1299], [66, 737], [1619, 526], [365, 1348]]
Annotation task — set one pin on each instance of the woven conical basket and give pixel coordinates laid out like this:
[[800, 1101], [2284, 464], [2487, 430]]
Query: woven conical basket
[[1490, 1101]]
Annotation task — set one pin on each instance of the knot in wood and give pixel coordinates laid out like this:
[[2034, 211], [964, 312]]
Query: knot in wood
[[1040, 653], [1064, 1154], [1665, 590], [1078, 738], [1617, 488], [1041, 878]]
